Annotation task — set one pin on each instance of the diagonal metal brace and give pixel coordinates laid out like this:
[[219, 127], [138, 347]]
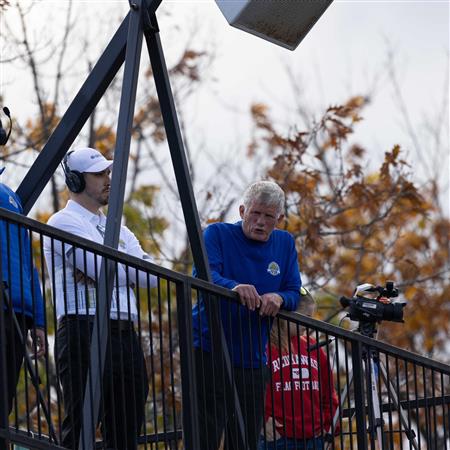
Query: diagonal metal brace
[[76, 115]]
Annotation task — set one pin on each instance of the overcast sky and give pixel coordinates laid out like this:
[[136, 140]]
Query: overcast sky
[[344, 54]]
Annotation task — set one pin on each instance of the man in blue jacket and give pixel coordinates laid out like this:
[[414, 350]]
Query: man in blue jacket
[[21, 294], [259, 262]]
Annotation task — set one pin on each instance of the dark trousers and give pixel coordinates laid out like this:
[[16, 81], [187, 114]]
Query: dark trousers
[[217, 418], [124, 383], [14, 351]]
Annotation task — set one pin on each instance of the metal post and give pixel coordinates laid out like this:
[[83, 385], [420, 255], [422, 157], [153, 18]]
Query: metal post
[[179, 162], [191, 439], [99, 340], [358, 385]]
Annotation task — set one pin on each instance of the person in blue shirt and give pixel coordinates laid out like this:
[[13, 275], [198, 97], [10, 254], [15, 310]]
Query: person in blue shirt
[[260, 263], [21, 293]]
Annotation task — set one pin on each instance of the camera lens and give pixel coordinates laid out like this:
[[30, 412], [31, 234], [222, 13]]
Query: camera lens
[[393, 312]]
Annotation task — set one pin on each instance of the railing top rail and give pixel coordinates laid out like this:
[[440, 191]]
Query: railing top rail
[[212, 289], [86, 244], [349, 335], [114, 254]]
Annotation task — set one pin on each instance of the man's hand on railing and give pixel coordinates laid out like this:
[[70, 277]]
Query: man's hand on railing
[[38, 337], [248, 295], [270, 304]]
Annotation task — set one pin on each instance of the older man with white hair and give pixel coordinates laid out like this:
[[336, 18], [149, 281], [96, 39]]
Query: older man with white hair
[[259, 262]]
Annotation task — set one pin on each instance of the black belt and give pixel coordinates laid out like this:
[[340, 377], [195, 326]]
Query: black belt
[[116, 324]]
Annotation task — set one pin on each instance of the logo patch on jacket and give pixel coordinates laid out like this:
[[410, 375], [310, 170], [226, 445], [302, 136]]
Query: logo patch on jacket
[[13, 202], [273, 268]]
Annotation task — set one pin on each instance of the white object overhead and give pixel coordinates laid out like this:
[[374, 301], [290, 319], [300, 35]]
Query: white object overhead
[[283, 22]]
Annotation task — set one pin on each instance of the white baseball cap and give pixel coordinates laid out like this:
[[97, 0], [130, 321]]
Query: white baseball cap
[[87, 160]]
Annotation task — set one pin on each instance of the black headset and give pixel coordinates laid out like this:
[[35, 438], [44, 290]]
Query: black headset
[[74, 179], [4, 136]]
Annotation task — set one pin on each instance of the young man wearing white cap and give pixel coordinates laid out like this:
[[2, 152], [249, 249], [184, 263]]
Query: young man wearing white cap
[[75, 274]]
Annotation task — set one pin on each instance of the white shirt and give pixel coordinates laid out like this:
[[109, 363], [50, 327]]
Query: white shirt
[[77, 294]]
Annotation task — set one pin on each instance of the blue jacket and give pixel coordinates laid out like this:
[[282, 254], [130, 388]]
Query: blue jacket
[[17, 266], [234, 259]]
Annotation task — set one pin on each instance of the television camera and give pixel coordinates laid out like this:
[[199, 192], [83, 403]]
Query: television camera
[[371, 304]]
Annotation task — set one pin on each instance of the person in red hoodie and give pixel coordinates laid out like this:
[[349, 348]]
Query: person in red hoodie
[[300, 399]]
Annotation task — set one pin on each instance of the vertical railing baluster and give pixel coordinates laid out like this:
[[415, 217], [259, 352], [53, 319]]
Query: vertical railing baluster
[[359, 388], [172, 367], [390, 437], [189, 389], [52, 277]]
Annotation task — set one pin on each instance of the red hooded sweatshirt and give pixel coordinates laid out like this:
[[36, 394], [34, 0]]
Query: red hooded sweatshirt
[[302, 387]]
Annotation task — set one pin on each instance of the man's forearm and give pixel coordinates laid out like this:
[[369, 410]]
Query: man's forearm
[[290, 299], [222, 281]]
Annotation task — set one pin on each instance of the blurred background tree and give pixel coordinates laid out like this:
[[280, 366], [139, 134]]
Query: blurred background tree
[[354, 224]]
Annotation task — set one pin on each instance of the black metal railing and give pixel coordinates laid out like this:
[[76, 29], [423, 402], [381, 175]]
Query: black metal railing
[[387, 398], [348, 390], [143, 361]]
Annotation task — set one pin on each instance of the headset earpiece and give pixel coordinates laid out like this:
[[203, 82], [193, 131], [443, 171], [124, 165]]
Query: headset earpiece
[[4, 136], [74, 179]]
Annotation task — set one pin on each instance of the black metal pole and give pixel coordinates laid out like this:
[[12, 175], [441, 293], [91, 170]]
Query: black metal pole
[[99, 340], [190, 212], [191, 438], [358, 385]]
